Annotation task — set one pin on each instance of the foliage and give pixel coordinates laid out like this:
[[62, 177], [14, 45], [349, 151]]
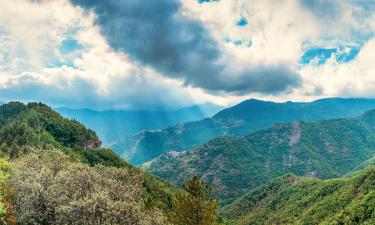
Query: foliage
[[69, 133], [5, 171], [38, 125], [231, 165], [62, 176], [160, 193], [10, 110], [244, 118], [49, 189], [297, 200], [36, 128], [103, 156], [194, 207]]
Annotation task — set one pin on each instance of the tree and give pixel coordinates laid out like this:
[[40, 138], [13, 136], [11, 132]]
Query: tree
[[5, 171], [49, 189], [194, 206]]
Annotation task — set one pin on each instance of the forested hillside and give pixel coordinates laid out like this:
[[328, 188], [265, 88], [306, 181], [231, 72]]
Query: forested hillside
[[231, 165], [298, 200], [35, 124], [67, 177], [242, 119]]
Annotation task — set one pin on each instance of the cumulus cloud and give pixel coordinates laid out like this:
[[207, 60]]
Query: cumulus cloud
[[156, 33], [355, 78], [35, 68], [171, 53], [283, 31]]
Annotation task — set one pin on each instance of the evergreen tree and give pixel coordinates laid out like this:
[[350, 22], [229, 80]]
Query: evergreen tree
[[194, 206]]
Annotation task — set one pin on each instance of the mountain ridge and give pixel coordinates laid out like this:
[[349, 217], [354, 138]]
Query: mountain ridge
[[113, 125], [231, 165], [241, 119]]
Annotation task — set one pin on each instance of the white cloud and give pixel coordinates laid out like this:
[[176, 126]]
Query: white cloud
[[99, 76], [32, 31], [32, 63], [355, 78], [281, 31], [273, 27]]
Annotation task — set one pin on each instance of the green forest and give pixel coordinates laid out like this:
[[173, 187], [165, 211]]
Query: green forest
[[54, 171], [298, 200], [232, 165], [187, 112]]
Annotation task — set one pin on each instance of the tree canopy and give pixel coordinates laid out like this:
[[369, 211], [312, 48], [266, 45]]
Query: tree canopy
[[194, 206]]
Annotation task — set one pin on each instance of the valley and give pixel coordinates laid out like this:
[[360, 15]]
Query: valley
[[301, 172], [232, 165], [242, 119]]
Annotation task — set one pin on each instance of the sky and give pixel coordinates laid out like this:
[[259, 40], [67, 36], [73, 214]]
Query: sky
[[167, 54]]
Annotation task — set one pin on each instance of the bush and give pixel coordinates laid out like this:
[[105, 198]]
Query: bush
[[51, 190]]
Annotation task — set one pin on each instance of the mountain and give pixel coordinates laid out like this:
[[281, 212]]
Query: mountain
[[36, 128], [298, 200], [113, 125], [37, 125], [232, 165], [246, 117]]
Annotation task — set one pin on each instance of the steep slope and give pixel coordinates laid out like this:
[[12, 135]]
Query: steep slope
[[246, 117], [36, 127], [324, 149], [113, 125], [298, 200]]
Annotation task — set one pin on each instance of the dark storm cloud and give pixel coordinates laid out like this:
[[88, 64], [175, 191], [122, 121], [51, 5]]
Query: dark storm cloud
[[155, 34]]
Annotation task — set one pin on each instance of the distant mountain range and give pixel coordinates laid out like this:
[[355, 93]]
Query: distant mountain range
[[242, 119], [258, 175], [232, 165], [113, 125]]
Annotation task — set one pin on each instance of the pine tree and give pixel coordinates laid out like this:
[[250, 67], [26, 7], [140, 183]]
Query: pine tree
[[194, 206]]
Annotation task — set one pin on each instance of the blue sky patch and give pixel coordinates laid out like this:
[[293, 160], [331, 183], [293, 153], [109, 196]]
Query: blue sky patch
[[69, 45], [239, 43], [56, 63], [320, 55], [242, 22], [347, 55], [203, 1], [69, 49]]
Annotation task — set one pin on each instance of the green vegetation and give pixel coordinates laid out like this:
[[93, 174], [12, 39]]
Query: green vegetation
[[37, 125], [298, 200], [194, 206], [5, 170], [55, 155], [231, 166], [57, 173], [244, 118], [49, 189]]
